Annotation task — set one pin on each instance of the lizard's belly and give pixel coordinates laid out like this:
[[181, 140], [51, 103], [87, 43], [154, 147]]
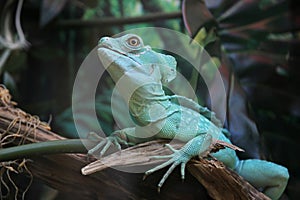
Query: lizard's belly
[[185, 125], [151, 113]]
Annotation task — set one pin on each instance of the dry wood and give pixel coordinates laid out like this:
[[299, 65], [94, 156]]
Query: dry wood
[[63, 171], [213, 174]]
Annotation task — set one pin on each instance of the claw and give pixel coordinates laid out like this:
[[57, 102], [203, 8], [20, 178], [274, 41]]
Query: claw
[[147, 173], [179, 157], [119, 141], [117, 144], [97, 147], [167, 174], [161, 157], [171, 148], [183, 171], [106, 144], [166, 156], [158, 189]]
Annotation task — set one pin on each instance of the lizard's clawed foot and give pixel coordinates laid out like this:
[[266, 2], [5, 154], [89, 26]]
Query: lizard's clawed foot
[[179, 157], [106, 143]]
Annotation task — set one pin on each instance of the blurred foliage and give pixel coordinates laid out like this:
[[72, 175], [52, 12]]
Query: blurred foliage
[[243, 130], [260, 39], [254, 43]]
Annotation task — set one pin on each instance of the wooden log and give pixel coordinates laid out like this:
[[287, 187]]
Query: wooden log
[[63, 171]]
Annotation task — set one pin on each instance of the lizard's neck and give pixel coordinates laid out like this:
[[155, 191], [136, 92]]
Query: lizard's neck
[[149, 104], [141, 88]]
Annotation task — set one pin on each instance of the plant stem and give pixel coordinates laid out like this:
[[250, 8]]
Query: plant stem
[[43, 148]]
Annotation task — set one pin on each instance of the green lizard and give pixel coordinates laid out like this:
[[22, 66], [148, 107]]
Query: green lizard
[[139, 74]]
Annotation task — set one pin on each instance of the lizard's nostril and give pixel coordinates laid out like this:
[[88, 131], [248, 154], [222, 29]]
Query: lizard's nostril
[[103, 39]]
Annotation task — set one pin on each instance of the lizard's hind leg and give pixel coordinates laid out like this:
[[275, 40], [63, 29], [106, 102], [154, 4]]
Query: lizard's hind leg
[[196, 146], [227, 156], [272, 178]]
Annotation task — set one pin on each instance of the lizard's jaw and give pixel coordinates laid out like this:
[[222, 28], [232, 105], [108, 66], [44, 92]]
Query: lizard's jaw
[[115, 62], [107, 56], [110, 56]]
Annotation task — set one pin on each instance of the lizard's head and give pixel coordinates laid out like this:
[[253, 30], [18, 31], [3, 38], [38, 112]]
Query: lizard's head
[[124, 45], [119, 55]]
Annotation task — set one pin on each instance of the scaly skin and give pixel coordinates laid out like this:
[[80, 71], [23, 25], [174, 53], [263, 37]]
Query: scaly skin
[[139, 74]]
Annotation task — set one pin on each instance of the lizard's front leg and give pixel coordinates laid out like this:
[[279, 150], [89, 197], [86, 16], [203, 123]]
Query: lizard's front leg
[[116, 138], [198, 146]]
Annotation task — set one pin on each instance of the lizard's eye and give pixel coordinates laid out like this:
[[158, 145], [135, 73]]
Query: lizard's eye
[[134, 41]]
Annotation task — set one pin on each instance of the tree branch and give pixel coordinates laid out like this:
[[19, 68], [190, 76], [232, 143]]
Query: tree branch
[[112, 21], [63, 171]]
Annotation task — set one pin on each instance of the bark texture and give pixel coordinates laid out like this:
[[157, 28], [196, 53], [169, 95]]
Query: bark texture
[[64, 171]]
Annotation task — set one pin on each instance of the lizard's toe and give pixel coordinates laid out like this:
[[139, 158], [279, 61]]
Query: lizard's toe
[[177, 158], [97, 147], [105, 145]]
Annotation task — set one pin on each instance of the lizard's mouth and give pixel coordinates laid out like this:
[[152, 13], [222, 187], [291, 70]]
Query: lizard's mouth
[[108, 47], [107, 51]]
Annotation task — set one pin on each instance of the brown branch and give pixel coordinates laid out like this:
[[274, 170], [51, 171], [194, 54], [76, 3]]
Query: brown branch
[[220, 182], [112, 21], [63, 171]]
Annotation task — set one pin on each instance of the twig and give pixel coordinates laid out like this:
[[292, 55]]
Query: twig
[[111, 21]]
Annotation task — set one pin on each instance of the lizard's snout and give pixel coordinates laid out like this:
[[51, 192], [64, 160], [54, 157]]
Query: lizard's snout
[[103, 40]]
